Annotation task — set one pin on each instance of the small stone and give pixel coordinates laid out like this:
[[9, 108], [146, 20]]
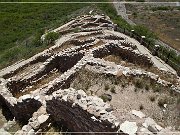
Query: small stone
[[145, 131], [129, 127], [42, 118], [78, 96], [150, 121], [102, 112], [165, 105], [138, 114], [31, 132], [64, 98], [27, 96], [109, 109], [152, 129], [159, 128]]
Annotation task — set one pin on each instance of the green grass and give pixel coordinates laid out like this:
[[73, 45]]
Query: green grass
[[19, 24]]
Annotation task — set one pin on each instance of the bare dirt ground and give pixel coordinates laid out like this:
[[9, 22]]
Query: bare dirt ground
[[165, 23], [128, 94]]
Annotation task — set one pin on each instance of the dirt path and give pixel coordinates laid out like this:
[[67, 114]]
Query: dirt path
[[121, 10]]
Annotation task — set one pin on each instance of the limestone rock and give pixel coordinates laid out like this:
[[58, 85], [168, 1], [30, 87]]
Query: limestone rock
[[138, 114], [42, 118], [129, 127]]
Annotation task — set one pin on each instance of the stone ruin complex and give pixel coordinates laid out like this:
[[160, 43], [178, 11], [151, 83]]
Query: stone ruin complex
[[39, 91]]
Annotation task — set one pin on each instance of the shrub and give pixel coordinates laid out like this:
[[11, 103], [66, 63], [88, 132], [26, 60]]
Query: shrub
[[37, 40], [141, 107], [134, 14], [106, 87], [113, 90], [139, 84], [106, 97], [51, 37], [152, 98], [157, 88], [162, 101], [147, 87]]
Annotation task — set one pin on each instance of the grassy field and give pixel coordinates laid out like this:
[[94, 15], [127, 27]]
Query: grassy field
[[20, 22]]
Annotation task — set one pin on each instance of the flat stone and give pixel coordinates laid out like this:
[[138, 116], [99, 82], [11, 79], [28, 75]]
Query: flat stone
[[42, 118], [152, 129], [138, 114], [27, 96], [150, 122], [144, 131], [78, 96], [159, 128], [129, 127], [109, 109]]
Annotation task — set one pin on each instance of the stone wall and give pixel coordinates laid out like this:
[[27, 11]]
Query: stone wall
[[81, 113], [126, 53]]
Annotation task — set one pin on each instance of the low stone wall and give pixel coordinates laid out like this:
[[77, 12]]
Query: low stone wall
[[61, 62], [126, 53], [81, 113]]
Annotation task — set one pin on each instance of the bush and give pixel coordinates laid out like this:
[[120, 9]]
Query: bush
[[134, 14], [113, 90], [162, 101], [152, 98], [141, 107], [37, 40], [157, 88], [147, 87], [139, 84], [51, 37], [106, 87], [106, 97]]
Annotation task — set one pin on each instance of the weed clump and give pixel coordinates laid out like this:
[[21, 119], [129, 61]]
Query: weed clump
[[106, 87], [147, 87], [141, 107], [152, 98], [106, 97], [139, 84], [162, 101], [113, 90]]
